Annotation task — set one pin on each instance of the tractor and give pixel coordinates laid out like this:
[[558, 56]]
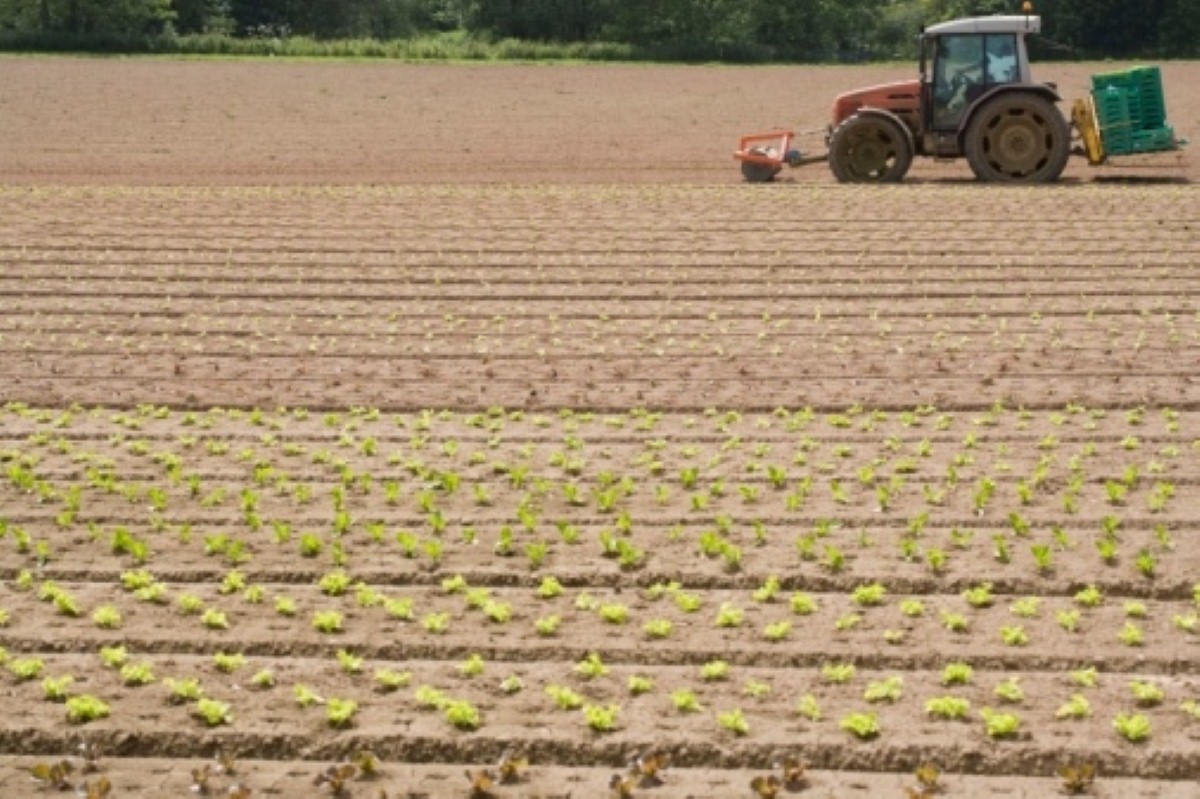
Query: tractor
[[975, 98]]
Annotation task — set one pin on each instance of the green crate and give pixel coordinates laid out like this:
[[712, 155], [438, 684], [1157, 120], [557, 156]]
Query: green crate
[[1134, 78], [1142, 86], [1154, 141]]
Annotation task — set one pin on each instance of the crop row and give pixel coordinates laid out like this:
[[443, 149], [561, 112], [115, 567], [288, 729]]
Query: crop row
[[708, 705], [1033, 494]]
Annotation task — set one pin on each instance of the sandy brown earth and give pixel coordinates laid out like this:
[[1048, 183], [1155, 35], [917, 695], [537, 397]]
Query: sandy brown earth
[[437, 334], [204, 123]]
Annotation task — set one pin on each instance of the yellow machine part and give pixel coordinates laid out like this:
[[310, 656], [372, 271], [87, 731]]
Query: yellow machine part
[[1084, 117]]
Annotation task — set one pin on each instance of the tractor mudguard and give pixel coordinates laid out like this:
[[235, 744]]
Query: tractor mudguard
[[867, 111], [1050, 93]]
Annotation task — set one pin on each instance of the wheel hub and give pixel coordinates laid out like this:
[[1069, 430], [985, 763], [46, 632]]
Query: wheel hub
[[1018, 145], [870, 156]]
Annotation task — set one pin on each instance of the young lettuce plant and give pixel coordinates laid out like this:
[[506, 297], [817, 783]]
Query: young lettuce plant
[[863, 726], [1134, 728], [213, 712], [462, 715], [84, 708], [183, 691], [340, 712], [1000, 725], [601, 718], [564, 697], [948, 707], [57, 689], [734, 721]]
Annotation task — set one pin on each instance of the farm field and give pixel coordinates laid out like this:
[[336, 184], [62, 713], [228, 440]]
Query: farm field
[[461, 456]]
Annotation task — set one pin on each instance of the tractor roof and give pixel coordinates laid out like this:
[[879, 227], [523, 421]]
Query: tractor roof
[[997, 24]]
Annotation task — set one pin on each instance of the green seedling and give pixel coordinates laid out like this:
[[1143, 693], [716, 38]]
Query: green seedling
[[948, 707], [564, 697], [1146, 694], [887, 690], [1010, 691], [264, 678], [657, 628], [591, 667], [685, 701], [305, 696], [135, 674], [808, 707], [547, 626], [863, 726], [389, 680], [869, 595], [57, 689], [107, 617], [957, 673], [1134, 728], [1077, 707], [1000, 725], [327, 621], [183, 691], [214, 619], [84, 708], [734, 721], [339, 713], [462, 715], [601, 718], [25, 669], [838, 673], [803, 605]]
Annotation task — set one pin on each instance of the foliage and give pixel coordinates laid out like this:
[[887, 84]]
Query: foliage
[[84, 708], [947, 707], [861, 725], [734, 721], [1000, 725], [213, 712], [674, 29], [1134, 727]]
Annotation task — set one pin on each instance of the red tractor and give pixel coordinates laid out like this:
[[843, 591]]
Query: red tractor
[[975, 98]]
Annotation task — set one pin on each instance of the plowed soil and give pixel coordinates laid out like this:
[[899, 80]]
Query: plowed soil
[[335, 366]]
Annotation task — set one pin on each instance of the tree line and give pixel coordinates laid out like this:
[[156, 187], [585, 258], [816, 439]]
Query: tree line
[[730, 30]]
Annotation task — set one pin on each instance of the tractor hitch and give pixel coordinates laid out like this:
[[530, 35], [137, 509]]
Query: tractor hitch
[[764, 155]]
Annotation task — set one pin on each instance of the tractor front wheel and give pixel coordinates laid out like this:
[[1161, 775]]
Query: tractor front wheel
[[867, 148], [1018, 138]]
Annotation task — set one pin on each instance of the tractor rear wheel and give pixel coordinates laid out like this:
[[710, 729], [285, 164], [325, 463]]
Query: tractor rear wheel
[[1018, 138], [867, 148]]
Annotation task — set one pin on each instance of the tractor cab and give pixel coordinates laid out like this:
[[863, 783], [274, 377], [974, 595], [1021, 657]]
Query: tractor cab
[[964, 60]]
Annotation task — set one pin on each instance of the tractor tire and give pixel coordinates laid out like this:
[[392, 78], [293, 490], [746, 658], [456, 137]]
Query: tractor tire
[[1018, 138], [868, 148], [755, 172]]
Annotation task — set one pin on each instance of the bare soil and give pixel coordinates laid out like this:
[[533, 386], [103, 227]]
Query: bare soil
[[121, 121], [276, 321]]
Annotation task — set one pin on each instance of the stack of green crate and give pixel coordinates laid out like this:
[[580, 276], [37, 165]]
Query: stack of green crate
[[1132, 112]]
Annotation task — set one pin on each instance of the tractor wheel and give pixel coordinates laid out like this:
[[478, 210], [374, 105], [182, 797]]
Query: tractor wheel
[[755, 172], [1018, 138], [869, 149]]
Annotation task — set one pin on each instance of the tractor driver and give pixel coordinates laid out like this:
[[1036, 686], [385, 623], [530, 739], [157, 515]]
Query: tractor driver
[[1002, 62], [959, 68]]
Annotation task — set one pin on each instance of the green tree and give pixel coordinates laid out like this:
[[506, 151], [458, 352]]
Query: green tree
[[203, 16], [1179, 29], [87, 17]]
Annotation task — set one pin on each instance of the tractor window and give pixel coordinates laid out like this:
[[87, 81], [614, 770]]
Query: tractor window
[[1001, 58], [958, 69]]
